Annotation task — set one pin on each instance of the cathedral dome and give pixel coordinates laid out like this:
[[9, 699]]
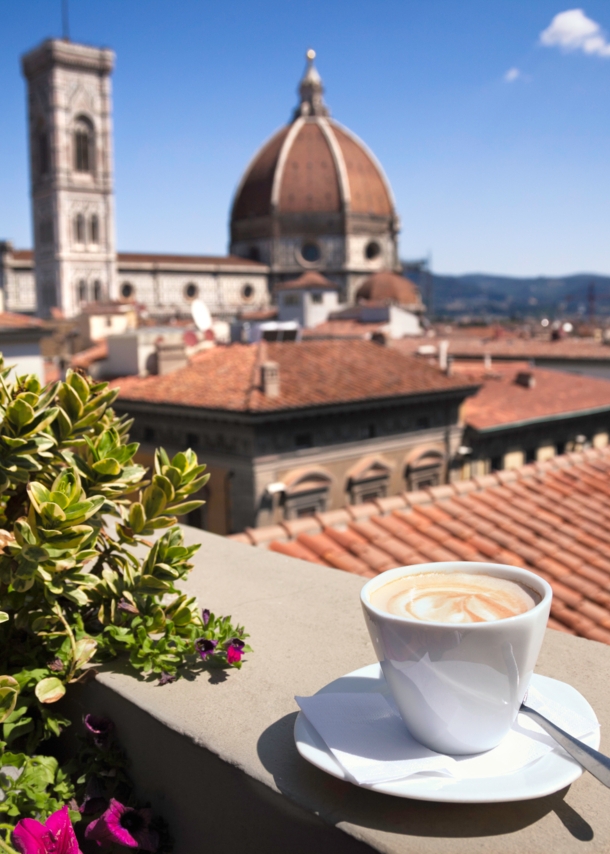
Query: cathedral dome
[[315, 197], [313, 165]]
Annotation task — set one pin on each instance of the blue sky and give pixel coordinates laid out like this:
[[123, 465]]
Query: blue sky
[[490, 174]]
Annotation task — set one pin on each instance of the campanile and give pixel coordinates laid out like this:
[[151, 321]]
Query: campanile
[[71, 175]]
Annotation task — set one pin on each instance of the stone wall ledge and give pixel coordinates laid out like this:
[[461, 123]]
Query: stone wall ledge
[[215, 755]]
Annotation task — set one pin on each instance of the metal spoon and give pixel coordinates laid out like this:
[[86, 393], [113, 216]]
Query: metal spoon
[[592, 760]]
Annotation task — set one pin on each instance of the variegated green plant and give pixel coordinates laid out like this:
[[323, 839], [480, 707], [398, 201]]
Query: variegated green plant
[[76, 512]]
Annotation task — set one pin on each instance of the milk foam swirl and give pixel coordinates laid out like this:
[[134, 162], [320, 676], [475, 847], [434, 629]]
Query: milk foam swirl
[[454, 597]]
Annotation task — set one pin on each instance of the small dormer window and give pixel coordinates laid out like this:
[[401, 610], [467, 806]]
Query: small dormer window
[[316, 297], [291, 299]]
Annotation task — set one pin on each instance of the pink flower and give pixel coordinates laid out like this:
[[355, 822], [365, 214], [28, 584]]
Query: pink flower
[[235, 651], [125, 826], [55, 836]]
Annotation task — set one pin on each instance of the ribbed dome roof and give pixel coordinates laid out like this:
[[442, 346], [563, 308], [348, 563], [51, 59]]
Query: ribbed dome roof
[[386, 286], [313, 165]]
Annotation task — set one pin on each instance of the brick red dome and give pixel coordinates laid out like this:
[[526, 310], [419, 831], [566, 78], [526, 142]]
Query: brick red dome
[[313, 166], [386, 286]]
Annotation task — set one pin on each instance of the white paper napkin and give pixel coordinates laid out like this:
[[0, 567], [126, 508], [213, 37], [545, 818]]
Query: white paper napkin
[[370, 742]]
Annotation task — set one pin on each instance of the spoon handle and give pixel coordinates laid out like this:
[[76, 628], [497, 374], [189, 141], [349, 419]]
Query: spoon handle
[[592, 760]]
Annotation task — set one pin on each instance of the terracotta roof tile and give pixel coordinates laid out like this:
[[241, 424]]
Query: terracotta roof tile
[[312, 373], [552, 519], [296, 549]]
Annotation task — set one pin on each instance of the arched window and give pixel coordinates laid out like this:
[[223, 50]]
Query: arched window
[[94, 229], [97, 290], [307, 491], [84, 147], [79, 228], [82, 291], [424, 468], [368, 479]]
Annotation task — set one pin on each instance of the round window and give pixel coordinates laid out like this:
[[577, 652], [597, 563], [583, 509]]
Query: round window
[[127, 290], [310, 252], [247, 292], [373, 250], [191, 290]]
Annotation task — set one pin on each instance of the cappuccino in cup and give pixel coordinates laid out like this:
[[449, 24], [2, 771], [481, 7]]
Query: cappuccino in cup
[[457, 643], [454, 597]]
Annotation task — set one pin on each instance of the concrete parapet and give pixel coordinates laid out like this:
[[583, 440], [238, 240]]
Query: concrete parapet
[[215, 755]]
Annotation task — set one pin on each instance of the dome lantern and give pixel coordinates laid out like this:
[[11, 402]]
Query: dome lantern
[[311, 91]]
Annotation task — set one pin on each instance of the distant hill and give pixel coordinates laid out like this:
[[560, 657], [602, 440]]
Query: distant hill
[[482, 295]]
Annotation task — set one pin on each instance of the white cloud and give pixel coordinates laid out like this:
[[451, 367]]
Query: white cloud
[[572, 30], [512, 74]]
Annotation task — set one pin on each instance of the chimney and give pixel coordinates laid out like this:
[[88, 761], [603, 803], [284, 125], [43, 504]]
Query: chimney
[[526, 379], [270, 379], [170, 356], [443, 349]]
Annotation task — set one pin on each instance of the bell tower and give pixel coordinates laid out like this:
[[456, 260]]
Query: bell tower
[[71, 177]]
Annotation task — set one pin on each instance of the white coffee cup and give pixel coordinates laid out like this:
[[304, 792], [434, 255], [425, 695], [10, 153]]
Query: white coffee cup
[[458, 687]]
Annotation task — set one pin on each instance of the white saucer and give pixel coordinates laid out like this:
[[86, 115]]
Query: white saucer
[[549, 774]]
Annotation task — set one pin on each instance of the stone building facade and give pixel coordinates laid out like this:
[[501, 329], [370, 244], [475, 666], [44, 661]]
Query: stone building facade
[[71, 174], [290, 429], [314, 198]]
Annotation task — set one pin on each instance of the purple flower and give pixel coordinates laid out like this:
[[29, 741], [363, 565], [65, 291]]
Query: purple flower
[[100, 728], [123, 826], [56, 666], [55, 836], [166, 678], [205, 647], [205, 616], [235, 650]]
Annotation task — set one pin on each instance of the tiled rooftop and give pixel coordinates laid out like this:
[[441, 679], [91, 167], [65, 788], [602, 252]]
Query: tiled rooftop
[[312, 373], [501, 400], [510, 346], [10, 320], [552, 518]]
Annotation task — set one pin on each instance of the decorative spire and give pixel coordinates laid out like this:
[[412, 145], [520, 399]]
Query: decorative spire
[[311, 91]]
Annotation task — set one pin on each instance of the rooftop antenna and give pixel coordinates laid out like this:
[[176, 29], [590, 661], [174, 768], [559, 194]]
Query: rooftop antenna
[[65, 21]]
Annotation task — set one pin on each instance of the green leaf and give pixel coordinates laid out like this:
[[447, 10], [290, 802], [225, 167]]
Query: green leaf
[[3, 616], [84, 652], [185, 507], [137, 517], [107, 468], [50, 690], [70, 401], [20, 413], [154, 501], [9, 691]]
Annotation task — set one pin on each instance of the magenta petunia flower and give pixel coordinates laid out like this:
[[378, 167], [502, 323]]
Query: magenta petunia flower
[[55, 836], [123, 825], [205, 616], [166, 678], [205, 647], [235, 650], [100, 728]]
